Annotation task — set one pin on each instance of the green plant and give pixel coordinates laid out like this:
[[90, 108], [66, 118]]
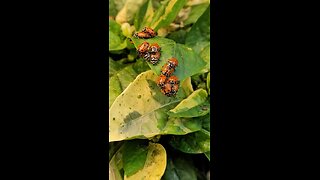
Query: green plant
[[153, 136]]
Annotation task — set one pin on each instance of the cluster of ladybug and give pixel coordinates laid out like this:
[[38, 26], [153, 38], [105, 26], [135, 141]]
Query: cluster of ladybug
[[146, 33], [150, 53], [169, 84]]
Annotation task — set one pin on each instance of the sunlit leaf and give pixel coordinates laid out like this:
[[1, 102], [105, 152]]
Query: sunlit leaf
[[140, 111]]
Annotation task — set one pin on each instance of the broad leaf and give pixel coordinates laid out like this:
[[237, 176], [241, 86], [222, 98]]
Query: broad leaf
[[199, 35], [154, 166], [166, 13], [195, 143], [205, 55], [178, 36], [189, 62], [193, 106], [179, 168], [134, 156], [140, 111]]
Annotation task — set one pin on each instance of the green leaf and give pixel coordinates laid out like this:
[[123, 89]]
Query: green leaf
[[196, 12], [193, 106], [114, 67], [206, 122], [140, 111], [116, 39], [122, 78], [189, 62], [208, 83], [195, 143], [166, 13], [205, 55], [178, 36], [180, 168], [134, 156], [199, 35], [128, 11], [154, 165], [113, 148], [144, 16], [112, 8]]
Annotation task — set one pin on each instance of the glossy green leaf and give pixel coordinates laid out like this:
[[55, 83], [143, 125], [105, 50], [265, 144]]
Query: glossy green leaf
[[196, 12], [206, 122], [193, 106], [197, 142], [154, 165], [199, 35], [179, 168], [134, 156], [178, 36], [166, 13], [140, 111], [189, 62]]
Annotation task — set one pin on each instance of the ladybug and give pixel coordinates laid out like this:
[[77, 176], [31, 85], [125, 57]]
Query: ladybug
[[167, 70], [142, 35], [166, 89], [173, 62], [149, 31], [154, 58], [173, 80], [153, 48], [142, 48], [161, 80], [174, 89]]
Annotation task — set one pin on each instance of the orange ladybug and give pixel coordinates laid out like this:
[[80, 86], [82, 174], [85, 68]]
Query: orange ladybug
[[153, 48], [166, 89], [149, 31], [173, 62], [167, 70], [154, 58], [174, 89], [142, 35], [142, 48], [173, 80], [161, 80]]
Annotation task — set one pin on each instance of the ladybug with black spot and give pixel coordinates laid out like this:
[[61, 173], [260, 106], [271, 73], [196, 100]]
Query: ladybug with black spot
[[174, 89], [161, 80], [149, 31], [173, 80], [142, 35], [173, 62], [167, 70], [154, 57], [153, 48], [166, 89], [143, 48]]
